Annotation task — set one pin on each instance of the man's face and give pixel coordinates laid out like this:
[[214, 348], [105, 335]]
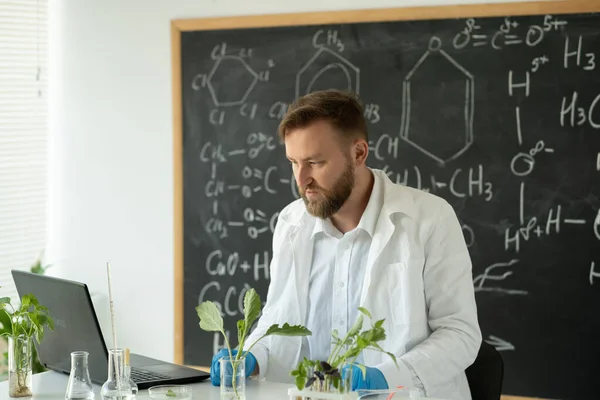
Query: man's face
[[322, 167]]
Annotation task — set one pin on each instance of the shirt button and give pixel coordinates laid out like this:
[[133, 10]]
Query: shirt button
[[341, 322], [341, 284]]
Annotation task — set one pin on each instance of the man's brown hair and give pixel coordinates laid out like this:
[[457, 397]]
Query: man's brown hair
[[342, 109]]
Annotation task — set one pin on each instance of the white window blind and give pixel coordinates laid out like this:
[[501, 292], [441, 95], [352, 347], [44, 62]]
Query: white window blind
[[23, 136]]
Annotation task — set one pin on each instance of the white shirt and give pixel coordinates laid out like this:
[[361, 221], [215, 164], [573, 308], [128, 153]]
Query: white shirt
[[336, 277]]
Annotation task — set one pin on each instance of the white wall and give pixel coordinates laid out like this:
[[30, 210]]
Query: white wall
[[110, 149]]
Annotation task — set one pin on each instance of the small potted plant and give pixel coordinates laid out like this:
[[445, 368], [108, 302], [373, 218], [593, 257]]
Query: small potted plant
[[324, 379], [27, 321], [233, 378]]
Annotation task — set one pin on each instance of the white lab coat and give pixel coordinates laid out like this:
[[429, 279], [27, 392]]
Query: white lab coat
[[418, 278]]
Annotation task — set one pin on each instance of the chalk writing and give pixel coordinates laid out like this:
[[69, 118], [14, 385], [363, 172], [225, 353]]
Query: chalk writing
[[497, 116], [491, 275], [500, 344]]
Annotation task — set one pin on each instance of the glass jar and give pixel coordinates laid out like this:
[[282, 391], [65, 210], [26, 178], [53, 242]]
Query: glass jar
[[19, 366]]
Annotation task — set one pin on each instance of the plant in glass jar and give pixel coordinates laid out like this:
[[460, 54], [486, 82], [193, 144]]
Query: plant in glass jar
[[27, 321], [233, 377], [327, 375]]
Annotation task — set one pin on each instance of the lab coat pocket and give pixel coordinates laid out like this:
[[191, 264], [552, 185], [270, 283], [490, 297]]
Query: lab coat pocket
[[396, 277], [407, 292]]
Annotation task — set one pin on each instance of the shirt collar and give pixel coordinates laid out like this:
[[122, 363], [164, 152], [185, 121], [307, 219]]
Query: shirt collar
[[325, 226]]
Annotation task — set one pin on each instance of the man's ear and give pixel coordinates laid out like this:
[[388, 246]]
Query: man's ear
[[360, 152]]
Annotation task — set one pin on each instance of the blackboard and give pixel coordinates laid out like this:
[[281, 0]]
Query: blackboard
[[499, 115]]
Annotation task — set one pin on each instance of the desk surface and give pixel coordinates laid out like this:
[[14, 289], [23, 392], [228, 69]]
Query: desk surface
[[52, 386]]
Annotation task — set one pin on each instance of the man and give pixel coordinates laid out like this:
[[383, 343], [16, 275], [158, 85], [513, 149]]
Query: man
[[357, 239]]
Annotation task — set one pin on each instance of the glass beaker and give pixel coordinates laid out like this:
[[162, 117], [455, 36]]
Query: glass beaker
[[80, 384], [233, 378], [117, 386]]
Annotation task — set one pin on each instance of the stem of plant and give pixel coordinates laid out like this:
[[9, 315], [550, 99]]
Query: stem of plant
[[233, 364], [337, 349]]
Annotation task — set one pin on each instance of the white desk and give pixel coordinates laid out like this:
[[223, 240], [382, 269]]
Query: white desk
[[52, 385]]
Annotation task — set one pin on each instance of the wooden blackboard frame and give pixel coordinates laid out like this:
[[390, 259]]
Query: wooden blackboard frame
[[312, 18]]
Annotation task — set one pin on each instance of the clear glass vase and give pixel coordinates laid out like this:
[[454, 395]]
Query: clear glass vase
[[19, 366], [233, 378], [117, 386], [79, 386]]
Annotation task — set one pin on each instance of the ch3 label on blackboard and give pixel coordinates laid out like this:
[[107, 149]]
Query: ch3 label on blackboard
[[574, 114], [328, 37], [462, 183]]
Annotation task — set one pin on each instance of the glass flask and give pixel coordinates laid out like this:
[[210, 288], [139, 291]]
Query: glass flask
[[80, 384], [117, 386]]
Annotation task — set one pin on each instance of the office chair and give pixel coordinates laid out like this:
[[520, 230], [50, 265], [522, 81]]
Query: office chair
[[486, 374]]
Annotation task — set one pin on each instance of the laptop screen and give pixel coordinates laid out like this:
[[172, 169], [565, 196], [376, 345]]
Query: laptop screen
[[76, 326]]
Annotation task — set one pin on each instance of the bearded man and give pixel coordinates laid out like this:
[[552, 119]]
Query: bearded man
[[356, 239]]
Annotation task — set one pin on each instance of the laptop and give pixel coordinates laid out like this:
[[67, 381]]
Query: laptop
[[76, 327]]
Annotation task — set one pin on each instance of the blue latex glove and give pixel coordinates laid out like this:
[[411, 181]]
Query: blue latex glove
[[215, 367], [373, 379]]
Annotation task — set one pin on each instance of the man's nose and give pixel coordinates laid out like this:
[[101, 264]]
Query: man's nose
[[303, 177]]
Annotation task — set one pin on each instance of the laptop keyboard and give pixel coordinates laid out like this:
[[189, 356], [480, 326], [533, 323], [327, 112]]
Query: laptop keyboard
[[140, 375]]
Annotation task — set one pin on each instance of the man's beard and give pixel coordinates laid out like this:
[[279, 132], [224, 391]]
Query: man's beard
[[330, 201]]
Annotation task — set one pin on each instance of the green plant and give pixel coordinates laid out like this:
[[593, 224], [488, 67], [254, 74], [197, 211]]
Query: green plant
[[6, 327], [324, 374], [211, 321], [27, 321]]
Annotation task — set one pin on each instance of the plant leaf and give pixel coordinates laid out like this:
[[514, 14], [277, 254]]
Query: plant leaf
[[392, 356], [4, 300], [241, 328], [310, 381], [361, 342], [252, 306], [325, 366], [353, 352], [25, 302], [287, 330], [365, 311], [379, 323], [300, 382], [374, 335], [50, 323], [362, 368], [357, 326], [210, 317]]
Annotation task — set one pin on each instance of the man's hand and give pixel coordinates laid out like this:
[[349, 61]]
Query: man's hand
[[215, 368], [373, 379]]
